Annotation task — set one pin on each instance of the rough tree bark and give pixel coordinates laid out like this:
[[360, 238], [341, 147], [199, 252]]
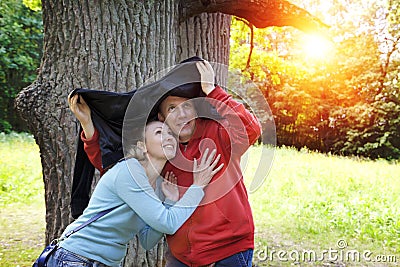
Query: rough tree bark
[[115, 46]]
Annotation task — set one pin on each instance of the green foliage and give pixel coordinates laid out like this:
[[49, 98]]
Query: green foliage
[[372, 130], [345, 101], [20, 54], [35, 5], [370, 127], [5, 126]]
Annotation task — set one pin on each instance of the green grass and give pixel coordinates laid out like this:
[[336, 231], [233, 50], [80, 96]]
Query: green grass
[[22, 233], [309, 201], [20, 169], [22, 210]]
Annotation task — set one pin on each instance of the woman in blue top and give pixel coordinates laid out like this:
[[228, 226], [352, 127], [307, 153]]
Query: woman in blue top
[[130, 186]]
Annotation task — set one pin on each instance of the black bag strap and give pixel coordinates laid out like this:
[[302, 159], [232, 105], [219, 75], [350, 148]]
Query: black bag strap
[[94, 218], [41, 261]]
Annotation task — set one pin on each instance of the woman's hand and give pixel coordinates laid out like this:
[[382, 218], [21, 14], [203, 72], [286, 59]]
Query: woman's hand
[[169, 187], [207, 76], [82, 112], [205, 171]]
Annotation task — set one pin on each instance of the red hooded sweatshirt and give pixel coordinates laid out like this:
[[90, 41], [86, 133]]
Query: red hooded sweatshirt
[[223, 223]]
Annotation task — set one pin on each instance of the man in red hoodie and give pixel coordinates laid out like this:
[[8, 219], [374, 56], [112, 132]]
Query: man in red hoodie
[[221, 230]]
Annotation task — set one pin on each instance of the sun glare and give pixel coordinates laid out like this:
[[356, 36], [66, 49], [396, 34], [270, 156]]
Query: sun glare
[[317, 47]]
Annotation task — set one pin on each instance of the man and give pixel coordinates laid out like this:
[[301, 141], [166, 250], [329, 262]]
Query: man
[[221, 230]]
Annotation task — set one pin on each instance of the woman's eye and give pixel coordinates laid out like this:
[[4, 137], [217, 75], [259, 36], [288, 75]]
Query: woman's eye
[[170, 109], [158, 132]]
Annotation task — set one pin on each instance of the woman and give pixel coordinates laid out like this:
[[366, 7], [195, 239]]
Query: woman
[[129, 187]]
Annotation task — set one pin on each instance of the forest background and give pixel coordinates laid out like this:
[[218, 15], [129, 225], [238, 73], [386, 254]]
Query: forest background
[[336, 92]]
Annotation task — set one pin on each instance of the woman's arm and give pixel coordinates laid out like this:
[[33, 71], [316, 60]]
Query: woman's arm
[[166, 189], [89, 135], [148, 237], [92, 150], [133, 188]]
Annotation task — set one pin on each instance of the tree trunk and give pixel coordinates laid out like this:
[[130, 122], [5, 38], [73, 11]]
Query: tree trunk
[[115, 46], [104, 46]]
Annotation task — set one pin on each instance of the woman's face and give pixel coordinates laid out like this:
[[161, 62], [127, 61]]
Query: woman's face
[[159, 140]]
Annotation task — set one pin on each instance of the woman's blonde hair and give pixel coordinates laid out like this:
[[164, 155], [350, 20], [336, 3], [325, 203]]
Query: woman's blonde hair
[[134, 140], [135, 151]]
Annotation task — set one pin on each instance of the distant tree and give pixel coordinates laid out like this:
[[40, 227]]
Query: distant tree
[[370, 127]]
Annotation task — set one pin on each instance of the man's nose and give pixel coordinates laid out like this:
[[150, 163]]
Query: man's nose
[[181, 111]]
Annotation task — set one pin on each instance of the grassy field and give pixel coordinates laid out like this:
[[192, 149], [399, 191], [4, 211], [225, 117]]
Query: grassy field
[[22, 211], [311, 203], [312, 210]]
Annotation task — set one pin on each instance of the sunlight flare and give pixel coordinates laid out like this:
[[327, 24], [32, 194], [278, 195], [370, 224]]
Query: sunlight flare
[[317, 47]]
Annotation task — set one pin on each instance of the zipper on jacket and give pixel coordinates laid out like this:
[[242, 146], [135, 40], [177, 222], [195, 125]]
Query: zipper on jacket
[[185, 145]]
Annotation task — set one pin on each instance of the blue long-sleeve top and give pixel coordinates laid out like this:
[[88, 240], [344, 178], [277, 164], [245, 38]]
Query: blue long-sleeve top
[[138, 211]]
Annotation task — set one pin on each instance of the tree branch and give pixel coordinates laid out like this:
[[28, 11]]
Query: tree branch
[[251, 41], [261, 13]]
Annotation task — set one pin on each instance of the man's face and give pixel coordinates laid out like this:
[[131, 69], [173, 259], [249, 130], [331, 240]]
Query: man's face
[[179, 114]]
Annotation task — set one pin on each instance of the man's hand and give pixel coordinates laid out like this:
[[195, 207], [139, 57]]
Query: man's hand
[[207, 76], [82, 112]]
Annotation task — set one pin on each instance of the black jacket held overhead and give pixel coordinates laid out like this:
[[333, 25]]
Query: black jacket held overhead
[[116, 113]]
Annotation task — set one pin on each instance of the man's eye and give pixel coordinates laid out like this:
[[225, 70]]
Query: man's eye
[[170, 109], [158, 132]]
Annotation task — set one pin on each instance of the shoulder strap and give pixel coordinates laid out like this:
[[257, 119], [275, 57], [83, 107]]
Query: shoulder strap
[[94, 218]]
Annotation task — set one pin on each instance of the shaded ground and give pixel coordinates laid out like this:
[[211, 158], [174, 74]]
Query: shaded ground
[[22, 234]]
